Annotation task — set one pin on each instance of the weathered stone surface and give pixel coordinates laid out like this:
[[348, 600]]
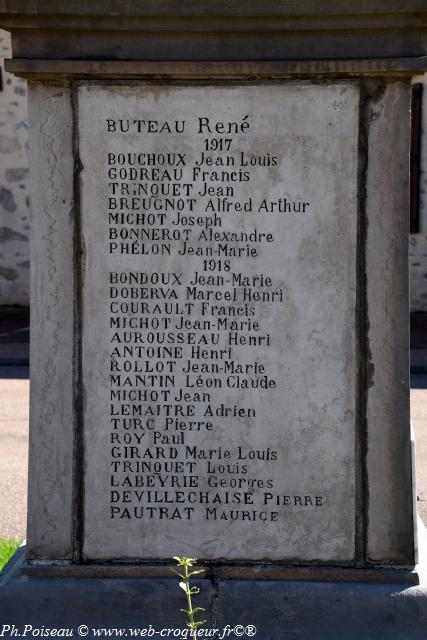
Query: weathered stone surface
[[14, 205], [7, 199], [216, 30], [302, 139], [101, 603], [389, 496], [272, 609], [327, 611], [50, 504], [320, 315], [418, 241], [7, 234], [8, 274], [16, 174]]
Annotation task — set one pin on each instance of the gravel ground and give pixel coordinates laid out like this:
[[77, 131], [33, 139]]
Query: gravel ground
[[419, 424], [14, 401]]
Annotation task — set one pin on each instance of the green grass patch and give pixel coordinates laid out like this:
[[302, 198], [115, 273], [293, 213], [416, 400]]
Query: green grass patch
[[8, 546]]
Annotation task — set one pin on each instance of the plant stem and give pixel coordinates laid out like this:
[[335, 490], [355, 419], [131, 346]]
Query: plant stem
[[189, 603]]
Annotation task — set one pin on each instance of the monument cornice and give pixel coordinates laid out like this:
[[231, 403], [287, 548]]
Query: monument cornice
[[215, 8], [213, 70], [217, 30]]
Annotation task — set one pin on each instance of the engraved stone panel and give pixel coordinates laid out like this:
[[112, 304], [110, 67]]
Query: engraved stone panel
[[219, 282]]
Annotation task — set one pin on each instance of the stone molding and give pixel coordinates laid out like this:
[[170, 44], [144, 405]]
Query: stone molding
[[216, 30]]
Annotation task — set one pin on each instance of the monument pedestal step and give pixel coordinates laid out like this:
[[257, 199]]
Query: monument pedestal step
[[60, 597]]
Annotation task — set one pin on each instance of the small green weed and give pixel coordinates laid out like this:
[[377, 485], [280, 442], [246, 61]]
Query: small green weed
[[185, 573], [8, 546]]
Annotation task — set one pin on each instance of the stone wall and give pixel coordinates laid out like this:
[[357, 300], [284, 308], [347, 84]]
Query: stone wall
[[418, 241], [14, 193]]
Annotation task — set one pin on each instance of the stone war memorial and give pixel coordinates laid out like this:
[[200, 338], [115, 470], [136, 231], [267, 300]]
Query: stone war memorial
[[219, 317]]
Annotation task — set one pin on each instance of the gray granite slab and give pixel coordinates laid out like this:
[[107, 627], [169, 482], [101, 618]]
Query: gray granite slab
[[390, 506], [238, 440], [52, 408]]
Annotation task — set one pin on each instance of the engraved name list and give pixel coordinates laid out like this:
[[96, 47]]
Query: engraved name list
[[218, 346]]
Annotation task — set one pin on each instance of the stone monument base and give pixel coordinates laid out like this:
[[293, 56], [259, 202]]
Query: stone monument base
[[364, 605]]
